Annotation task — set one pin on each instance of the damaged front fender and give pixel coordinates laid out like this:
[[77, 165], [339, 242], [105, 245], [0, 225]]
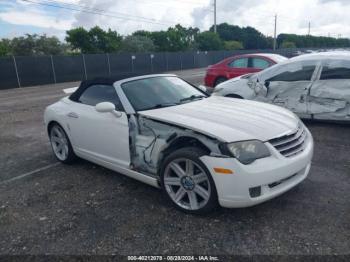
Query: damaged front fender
[[151, 140]]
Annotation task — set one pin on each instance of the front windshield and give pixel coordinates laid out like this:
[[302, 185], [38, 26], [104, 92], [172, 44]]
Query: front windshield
[[157, 92]]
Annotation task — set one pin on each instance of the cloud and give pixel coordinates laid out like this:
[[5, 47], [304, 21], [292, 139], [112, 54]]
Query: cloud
[[26, 14], [36, 18], [159, 14], [326, 16], [345, 2]]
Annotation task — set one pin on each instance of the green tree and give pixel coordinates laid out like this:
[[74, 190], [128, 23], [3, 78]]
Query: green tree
[[228, 32], [209, 41], [288, 44], [37, 45], [79, 39], [181, 38], [24, 45], [312, 41], [49, 46], [232, 45], [142, 33], [96, 40], [177, 38], [249, 36], [160, 40], [5, 47], [253, 39], [137, 43]]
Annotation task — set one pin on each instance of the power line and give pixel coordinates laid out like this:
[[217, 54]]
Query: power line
[[162, 1], [95, 11], [177, 1], [127, 16]]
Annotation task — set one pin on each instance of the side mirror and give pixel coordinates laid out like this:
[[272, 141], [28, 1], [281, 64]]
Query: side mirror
[[105, 107], [267, 84]]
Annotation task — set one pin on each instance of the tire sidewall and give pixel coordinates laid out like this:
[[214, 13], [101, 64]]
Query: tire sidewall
[[71, 155]]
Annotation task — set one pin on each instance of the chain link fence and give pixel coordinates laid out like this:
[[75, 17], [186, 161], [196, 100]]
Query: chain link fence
[[22, 71]]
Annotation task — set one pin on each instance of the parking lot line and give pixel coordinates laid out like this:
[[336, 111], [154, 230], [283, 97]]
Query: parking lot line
[[29, 173]]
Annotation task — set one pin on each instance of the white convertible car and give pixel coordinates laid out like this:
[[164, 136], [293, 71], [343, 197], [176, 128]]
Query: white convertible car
[[202, 151], [314, 86]]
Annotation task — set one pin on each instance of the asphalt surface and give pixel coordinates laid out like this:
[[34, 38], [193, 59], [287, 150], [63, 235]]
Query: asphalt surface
[[50, 208]]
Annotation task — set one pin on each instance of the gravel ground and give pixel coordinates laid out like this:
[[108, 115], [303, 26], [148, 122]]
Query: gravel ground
[[82, 209]]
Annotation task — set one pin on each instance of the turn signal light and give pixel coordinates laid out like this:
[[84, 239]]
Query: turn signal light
[[223, 170]]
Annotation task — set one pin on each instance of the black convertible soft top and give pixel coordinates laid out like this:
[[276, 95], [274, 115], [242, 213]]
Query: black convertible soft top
[[98, 81]]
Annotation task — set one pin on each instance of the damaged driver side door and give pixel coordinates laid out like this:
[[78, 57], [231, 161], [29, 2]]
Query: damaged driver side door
[[288, 86]]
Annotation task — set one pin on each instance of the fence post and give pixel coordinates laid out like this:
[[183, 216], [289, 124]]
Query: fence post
[[84, 66], [53, 70], [167, 61], [152, 56], [180, 61], [15, 64], [109, 64], [133, 57], [194, 58]]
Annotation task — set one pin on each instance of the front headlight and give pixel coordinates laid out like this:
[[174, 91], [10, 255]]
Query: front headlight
[[247, 152]]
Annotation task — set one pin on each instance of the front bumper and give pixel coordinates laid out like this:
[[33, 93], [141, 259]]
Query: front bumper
[[274, 175]]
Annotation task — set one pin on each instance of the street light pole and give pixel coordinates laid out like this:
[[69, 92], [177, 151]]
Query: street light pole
[[275, 34], [214, 16]]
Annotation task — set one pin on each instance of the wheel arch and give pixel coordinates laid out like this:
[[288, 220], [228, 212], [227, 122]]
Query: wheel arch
[[234, 96], [182, 142], [52, 122], [220, 77], [50, 125]]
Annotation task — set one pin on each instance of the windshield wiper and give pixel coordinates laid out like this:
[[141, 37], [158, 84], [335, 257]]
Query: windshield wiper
[[192, 97], [160, 106]]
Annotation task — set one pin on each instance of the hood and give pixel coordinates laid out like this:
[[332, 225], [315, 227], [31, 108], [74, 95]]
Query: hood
[[229, 119], [237, 81]]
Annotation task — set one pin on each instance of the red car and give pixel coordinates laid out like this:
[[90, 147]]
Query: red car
[[239, 65]]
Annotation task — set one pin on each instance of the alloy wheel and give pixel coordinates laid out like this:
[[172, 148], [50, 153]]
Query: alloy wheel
[[59, 142], [187, 184]]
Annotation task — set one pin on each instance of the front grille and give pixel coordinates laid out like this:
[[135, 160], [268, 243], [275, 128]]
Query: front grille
[[292, 144]]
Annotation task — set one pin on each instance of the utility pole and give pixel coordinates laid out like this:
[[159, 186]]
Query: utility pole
[[309, 31], [275, 34], [215, 16]]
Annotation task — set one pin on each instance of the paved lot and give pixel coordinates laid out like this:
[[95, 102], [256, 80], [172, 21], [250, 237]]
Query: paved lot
[[50, 208]]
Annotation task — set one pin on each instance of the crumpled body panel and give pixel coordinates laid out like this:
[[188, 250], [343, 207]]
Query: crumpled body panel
[[334, 89], [330, 99]]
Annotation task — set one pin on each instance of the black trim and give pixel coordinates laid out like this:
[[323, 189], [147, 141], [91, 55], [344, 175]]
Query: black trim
[[97, 81]]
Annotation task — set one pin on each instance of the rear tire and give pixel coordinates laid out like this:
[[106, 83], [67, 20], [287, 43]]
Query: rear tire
[[220, 80], [61, 145], [187, 182]]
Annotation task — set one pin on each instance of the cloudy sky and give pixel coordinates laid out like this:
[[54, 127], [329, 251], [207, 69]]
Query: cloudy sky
[[327, 17]]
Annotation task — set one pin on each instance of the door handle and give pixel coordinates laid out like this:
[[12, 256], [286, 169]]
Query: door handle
[[73, 115]]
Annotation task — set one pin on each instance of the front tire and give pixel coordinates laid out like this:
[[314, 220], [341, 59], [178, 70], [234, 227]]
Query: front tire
[[61, 145], [187, 182]]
